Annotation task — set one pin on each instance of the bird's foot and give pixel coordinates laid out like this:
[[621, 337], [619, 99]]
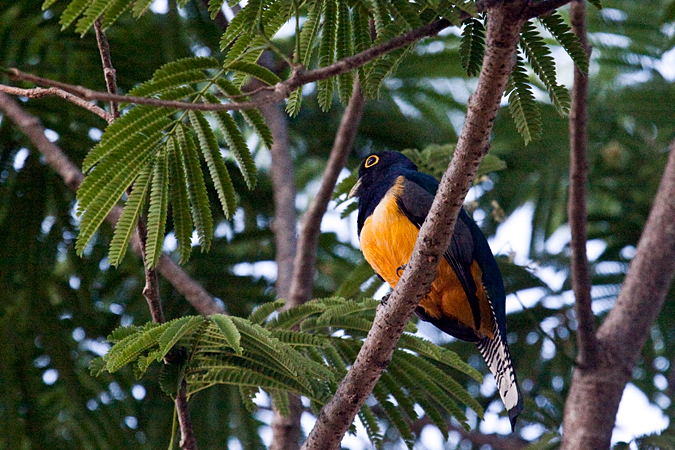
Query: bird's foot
[[400, 270], [384, 299]]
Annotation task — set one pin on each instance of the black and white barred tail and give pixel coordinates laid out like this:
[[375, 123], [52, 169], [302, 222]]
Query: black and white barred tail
[[496, 354]]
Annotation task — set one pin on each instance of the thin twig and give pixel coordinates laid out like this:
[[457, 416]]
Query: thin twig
[[541, 8], [305, 258], [108, 70], [576, 210], [56, 92], [151, 289], [270, 94], [504, 25]]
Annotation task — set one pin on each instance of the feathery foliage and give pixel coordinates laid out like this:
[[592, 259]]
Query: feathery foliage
[[167, 144], [522, 105], [262, 354]]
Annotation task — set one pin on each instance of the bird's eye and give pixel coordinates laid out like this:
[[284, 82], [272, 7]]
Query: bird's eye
[[371, 161]]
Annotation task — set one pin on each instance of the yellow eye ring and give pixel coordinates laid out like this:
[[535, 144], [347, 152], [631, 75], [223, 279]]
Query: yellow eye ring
[[371, 161]]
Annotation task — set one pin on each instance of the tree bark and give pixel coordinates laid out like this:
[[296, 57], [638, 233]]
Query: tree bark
[[594, 397], [505, 20], [576, 209]]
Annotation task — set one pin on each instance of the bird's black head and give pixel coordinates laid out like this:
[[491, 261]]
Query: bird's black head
[[377, 174], [380, 171]]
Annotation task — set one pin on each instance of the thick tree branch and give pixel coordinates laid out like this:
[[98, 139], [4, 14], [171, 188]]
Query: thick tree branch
[[305, 258], [505, 21], [576, 208], [72, 177], [267, 95], [594, 397]]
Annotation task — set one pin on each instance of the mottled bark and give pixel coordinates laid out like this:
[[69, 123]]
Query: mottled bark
[[505, 21], [594, 397], [576, 208]]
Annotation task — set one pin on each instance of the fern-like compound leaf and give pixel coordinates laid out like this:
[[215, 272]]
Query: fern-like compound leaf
[[472, 46], [157, 212], [114, 11], [252, 116], [180, 202], [344, 48], [569, 41], [214, 160], [93, 12], [522, 105], [199, 200], [74, 9], [539, 56], [106, 184], [129, 218], [229, 330]]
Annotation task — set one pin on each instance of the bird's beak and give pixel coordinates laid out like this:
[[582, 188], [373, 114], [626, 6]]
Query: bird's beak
[[354, 192]]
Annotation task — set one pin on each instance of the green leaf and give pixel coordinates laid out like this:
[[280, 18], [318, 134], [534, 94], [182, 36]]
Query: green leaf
[[263, 311], [177, 330], [252, 116], [344, 48], [129, 218], [157, 213], [47, 4], [473, 46], [116, 9], [539, 57], [141, 6], [256, 71], [569, 41], [72, 12], [215, 7], [236, 143], [229, 330], [180, 202], [94, 10], [522, 105], [199, 200], [327, 52], [106, 184], [127, 132], [214, 160]]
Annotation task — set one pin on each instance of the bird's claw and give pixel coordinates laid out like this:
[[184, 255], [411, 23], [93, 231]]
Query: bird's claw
[[400, 270], [384, 299]]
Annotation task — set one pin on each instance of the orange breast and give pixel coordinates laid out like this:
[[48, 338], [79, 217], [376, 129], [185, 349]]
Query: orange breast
[[387, 242]]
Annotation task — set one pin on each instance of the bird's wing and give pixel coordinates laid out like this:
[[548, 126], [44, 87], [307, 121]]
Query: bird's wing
[[415, 202]]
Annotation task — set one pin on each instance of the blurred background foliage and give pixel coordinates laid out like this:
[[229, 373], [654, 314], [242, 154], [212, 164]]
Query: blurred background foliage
[[57, 308]]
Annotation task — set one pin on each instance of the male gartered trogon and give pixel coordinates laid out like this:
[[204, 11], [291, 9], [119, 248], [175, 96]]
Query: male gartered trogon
[[467, 298]]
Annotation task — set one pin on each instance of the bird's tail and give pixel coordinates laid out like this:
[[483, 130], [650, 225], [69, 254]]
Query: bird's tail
[[498, 358]]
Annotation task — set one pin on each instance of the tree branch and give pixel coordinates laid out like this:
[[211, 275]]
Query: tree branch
[[505, 21], [109, 71], [541, 8], [576, 208], [268, 94], [72, 177], [305, 258], [286, 430], [151, 289], [56, 92], [594, 397]]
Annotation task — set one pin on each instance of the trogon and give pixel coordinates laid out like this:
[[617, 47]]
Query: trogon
[[467, 298]]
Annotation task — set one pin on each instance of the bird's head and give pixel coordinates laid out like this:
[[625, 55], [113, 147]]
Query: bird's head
[[380, 170]]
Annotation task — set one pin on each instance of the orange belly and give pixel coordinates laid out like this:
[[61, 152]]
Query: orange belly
[[387, 242]]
